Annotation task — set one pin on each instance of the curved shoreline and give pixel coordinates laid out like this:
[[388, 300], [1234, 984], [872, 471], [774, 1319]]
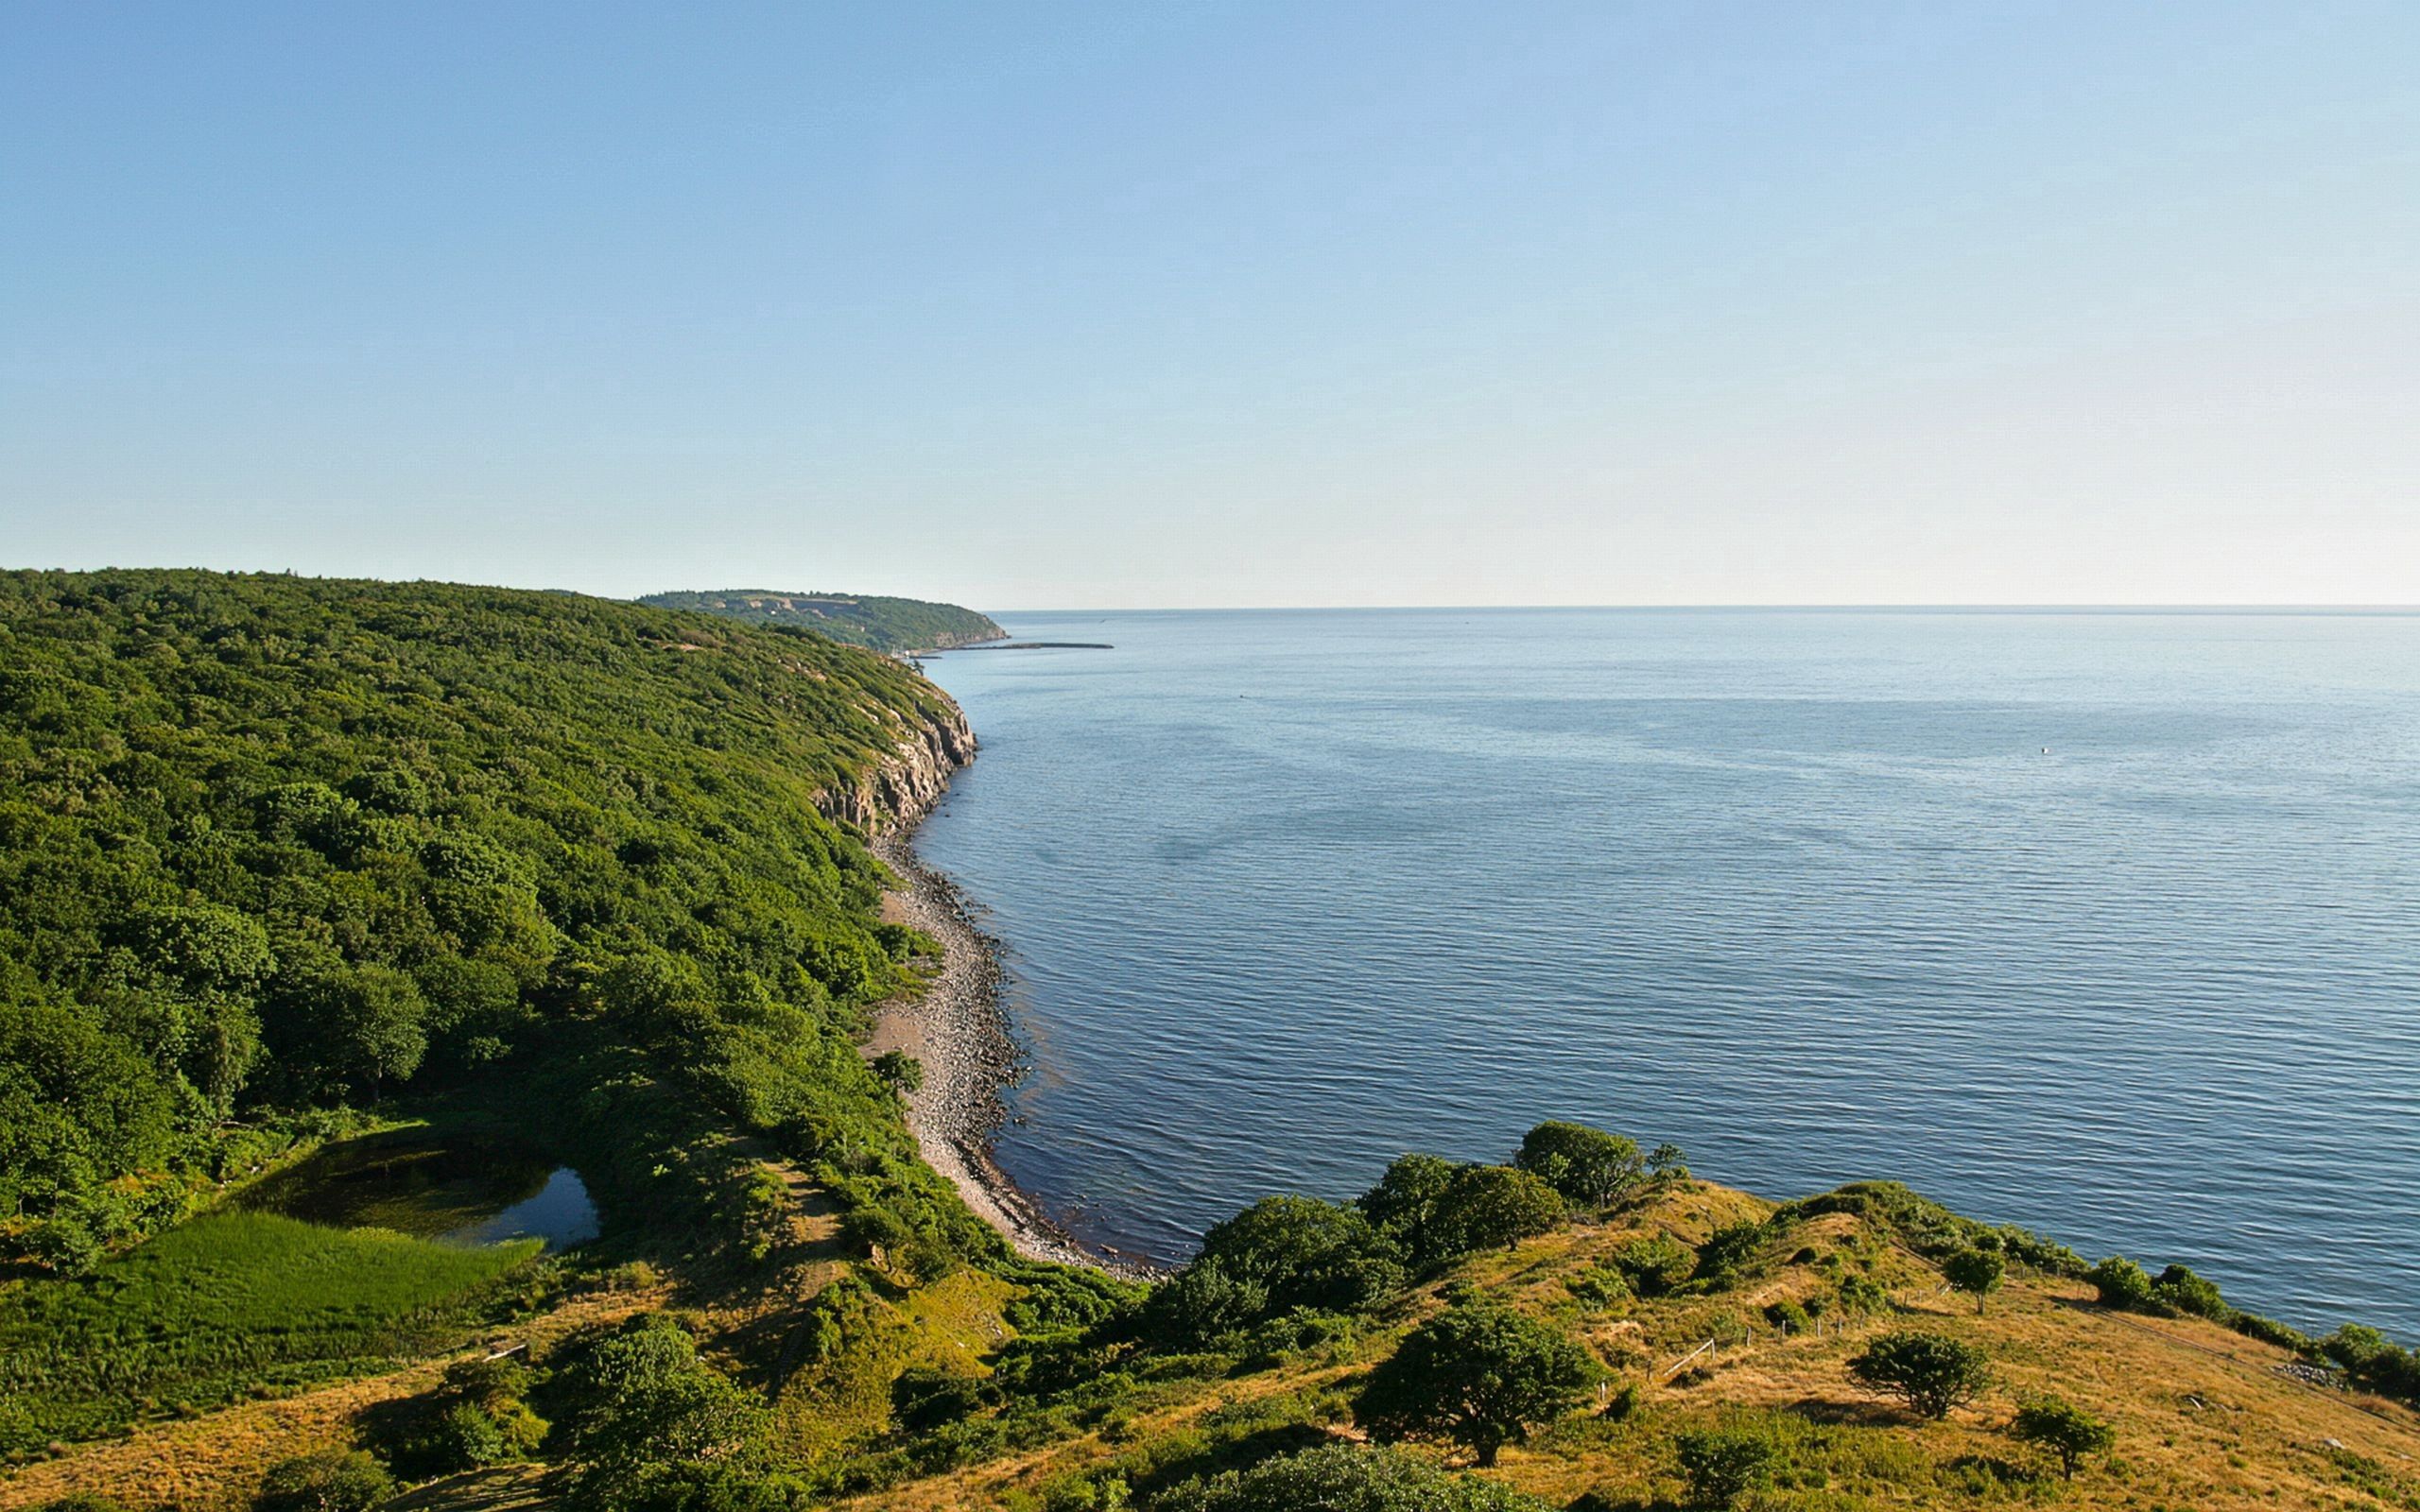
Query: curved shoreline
[[959, 1031]]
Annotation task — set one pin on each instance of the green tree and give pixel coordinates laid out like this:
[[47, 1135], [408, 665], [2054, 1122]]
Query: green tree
[[1667, 1163], [1279, 1254], [1485, 1206], [1404, 1203], [1975, 1272], [644, 1397], [2067, 1430], [1932, 1372], [1478, 1374], [331, 1481], [1723, 1465], [1344, 1478], [376, 1024], [1588, 1166]]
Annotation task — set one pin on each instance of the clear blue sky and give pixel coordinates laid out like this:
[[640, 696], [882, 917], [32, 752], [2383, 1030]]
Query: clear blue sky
[[1175, 304]]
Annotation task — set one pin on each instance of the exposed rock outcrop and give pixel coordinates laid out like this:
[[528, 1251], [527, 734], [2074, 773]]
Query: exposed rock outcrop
[[904, 785]]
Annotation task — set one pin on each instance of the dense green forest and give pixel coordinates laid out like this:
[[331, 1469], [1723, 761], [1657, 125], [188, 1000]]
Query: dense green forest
[[860, 619], [273, 846]]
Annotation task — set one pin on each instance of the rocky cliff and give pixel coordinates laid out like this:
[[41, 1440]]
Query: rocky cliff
[[904, 785]]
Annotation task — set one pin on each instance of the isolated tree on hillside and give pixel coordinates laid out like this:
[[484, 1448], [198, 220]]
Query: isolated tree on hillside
[[1932, 1372], [2065, 1430], [1975, 1272], [1667, 1163], [1588, 1166], [1478, 1375]]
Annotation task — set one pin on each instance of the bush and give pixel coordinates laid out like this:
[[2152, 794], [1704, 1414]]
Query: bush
[[2184, 1292], [334, 1479], [1722, 1464], [2375, 1362], [1728, 1252], [1932, 1372], [1653, 1266], [1344, 1478], [1788, 1317], [2123, 1285]]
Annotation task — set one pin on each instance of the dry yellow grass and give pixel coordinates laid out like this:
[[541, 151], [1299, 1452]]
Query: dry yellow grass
[[2207, 1418]]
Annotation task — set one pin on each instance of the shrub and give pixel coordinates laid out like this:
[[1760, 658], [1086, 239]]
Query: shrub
[[2069, 1432], [334, 1479], [1788, 1317], [2375, 1362], [2185, 1292], [1654, 1265], [2122, 1284], [1344, 1478], [1728, 1252], [1932, 1372], [1722, 1465]]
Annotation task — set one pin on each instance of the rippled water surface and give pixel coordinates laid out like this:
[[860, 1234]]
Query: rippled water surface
[[2108, 925]]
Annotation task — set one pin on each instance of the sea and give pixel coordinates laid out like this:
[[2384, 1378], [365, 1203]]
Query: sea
[[2106, 924]]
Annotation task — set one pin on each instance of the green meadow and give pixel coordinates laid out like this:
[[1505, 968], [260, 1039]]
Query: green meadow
[[230, 1305]]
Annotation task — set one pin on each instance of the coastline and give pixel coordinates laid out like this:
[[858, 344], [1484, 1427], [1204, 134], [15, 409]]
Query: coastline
[[959, 1031]]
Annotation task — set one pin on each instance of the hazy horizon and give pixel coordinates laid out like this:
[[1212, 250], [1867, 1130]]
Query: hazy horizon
[[1261, 306]]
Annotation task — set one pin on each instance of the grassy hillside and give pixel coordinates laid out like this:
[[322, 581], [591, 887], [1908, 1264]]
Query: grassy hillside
[[860, 619], [2204, 1417]]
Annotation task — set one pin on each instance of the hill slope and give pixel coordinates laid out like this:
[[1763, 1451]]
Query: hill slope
[[859, 619], [273, 844]]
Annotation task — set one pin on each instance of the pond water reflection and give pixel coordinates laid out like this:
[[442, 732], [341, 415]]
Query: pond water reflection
[[418, 1182]]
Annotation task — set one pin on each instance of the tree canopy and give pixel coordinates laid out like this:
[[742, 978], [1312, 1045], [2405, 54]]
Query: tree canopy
[[1478, 1374], [272, 843]]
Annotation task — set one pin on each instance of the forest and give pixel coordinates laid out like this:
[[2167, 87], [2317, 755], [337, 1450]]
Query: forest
[[894, 625], [274, 847]]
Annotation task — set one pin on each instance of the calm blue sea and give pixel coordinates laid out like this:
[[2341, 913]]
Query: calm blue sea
[[2103, 923]]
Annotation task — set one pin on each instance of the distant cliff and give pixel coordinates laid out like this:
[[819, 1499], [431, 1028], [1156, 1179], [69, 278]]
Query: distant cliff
[[859, 619]]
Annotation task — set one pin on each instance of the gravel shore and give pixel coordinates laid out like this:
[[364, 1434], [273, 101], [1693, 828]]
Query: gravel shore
[[959, 1032]]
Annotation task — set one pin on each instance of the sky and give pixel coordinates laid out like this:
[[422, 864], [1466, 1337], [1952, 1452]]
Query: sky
[[1121, 305]]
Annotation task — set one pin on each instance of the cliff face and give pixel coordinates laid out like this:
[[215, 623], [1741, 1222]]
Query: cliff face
[[904, 785]]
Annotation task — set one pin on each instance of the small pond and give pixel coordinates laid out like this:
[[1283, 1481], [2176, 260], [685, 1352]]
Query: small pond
[[433, 1185]]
